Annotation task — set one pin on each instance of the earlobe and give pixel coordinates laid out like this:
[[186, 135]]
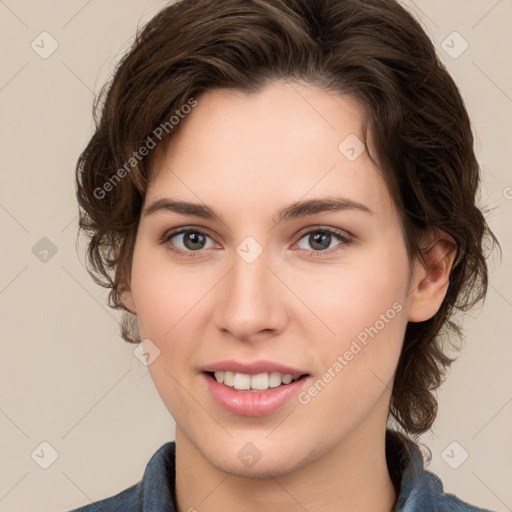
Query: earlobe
[[430, 281]]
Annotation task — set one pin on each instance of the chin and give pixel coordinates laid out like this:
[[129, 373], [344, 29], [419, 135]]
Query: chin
[[260, 459], [263, 469]]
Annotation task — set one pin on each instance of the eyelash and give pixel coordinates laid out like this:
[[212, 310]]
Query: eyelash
[[345, 241]]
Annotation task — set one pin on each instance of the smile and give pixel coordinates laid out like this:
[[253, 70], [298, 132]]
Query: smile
[[258, 388], [254, 383]]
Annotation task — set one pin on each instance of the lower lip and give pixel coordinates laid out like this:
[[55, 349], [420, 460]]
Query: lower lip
[[248, 403]]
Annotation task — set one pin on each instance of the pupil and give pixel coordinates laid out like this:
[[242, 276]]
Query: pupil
[[320, 240], [196, 240]]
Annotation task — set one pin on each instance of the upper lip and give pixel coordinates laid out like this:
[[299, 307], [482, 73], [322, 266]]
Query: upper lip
[[253, 367]]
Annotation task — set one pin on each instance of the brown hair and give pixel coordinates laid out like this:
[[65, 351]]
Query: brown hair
[[373, 50]]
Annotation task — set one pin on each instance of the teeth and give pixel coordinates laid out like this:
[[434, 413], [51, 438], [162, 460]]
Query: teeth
[[259, 382], [242, 381], [286, 379], [274, 380]]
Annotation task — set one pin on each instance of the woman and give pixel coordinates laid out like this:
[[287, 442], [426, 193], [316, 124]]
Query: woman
[[280, 195]]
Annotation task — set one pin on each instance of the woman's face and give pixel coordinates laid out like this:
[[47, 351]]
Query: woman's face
[[288, 260]]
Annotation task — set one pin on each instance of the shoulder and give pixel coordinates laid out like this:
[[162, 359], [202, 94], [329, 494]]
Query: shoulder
[[155, 491], [428, 494], [418, 489], [128, 500]]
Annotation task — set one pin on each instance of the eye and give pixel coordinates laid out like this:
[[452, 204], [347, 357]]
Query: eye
[[192, 242], [321, 238], [188, 241]]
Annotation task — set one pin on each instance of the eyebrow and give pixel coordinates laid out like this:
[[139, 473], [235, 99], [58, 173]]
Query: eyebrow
[[295, 210]]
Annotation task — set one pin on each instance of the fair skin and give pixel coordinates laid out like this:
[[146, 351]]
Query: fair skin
[[247, 157]]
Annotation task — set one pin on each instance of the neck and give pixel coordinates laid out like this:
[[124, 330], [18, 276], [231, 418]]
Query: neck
[[353, 477]]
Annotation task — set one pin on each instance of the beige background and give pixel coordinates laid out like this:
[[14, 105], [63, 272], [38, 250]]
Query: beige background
[[66, 377]]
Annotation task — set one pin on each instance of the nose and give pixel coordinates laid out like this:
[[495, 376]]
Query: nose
[[251, 304]]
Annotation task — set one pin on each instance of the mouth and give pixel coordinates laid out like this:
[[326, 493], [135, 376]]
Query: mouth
[[255, 388], [255, 383]]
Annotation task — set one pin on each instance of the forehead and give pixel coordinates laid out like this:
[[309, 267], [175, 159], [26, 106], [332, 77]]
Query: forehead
[[248, 152]]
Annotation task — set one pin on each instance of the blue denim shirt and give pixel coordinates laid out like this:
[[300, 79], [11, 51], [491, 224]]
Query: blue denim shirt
[[417, 489]]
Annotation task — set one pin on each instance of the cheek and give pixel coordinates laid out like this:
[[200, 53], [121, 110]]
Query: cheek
[[164, 293], [358, 362], [171, 307], [172, 386], [363, 291], [363, 319]]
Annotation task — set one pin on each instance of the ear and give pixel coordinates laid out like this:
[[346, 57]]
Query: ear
[[430, 281]]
